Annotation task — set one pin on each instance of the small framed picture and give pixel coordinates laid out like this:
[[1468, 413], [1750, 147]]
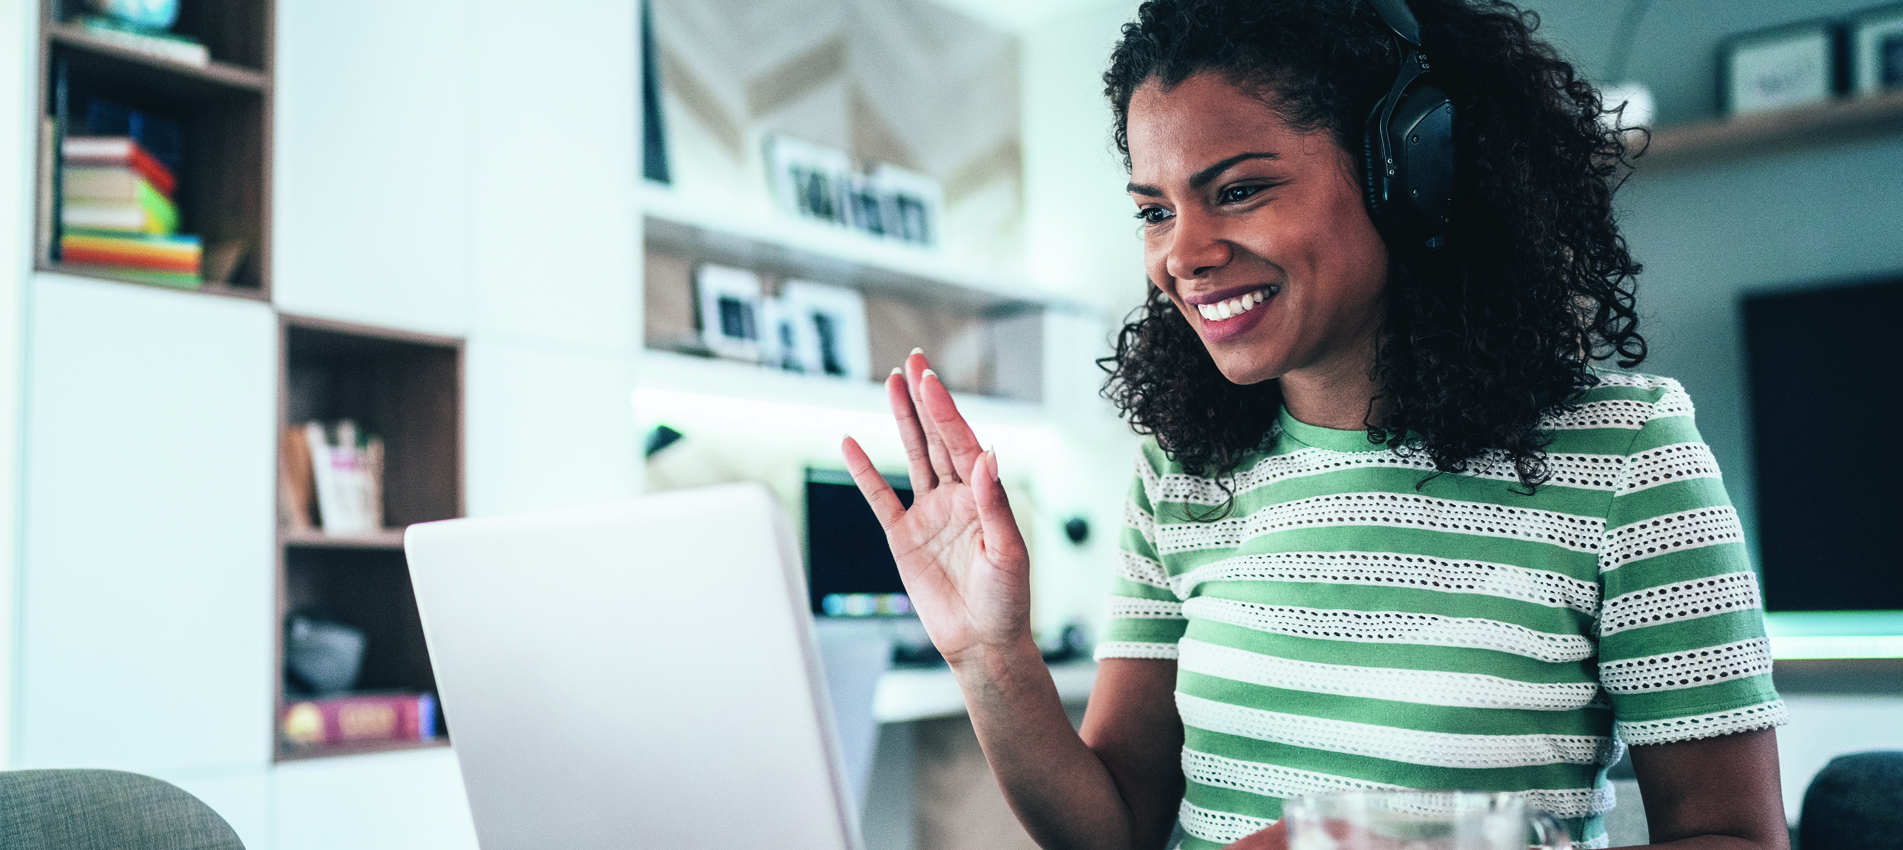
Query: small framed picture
[[729, 311], [832, 335], [1795, 65], [913, 204], [1876, 50], [809, 180]]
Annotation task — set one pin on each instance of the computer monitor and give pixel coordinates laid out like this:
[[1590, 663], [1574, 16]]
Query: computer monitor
[[1823, 398], [851, 571]]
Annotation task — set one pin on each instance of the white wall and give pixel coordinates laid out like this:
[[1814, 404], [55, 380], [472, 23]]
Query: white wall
[[1079, 224], [18, 143]]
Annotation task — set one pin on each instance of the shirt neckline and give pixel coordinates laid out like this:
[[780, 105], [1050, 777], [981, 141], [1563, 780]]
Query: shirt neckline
[[1315, 436]]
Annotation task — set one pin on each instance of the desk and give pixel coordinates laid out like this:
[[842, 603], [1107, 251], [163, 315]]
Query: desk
[[920, 694]]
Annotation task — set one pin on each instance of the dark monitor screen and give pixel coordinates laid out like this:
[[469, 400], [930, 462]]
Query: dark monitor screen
[[852, 573], [1825, 405]]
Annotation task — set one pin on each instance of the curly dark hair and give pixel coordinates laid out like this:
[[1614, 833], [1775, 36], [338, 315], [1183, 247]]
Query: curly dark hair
[[1482, 338]]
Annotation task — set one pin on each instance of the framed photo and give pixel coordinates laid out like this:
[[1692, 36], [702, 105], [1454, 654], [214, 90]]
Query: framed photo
[[785, 340], [1876, 50], [831, 329], [809, 180], [1795, 65], [728, 301], [913, 204]]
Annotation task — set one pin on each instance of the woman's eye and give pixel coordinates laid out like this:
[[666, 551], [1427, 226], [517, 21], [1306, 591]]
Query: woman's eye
[[1153, 215], [1238, 194]]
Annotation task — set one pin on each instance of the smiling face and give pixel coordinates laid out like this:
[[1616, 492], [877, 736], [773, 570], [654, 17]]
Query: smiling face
[[1258, 232]]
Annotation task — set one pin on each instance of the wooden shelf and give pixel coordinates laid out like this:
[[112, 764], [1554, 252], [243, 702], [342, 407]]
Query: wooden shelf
[[223, 110], [406, 388], [216, 80], [1769, 132], [359, 749], [106, 273], [389, 539]]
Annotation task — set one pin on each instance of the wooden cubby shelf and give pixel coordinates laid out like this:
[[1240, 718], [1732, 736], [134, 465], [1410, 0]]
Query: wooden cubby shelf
[[406, 389], [223, 109]]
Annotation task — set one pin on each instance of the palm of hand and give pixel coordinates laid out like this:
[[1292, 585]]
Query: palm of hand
[[958, 548], [963, 593]]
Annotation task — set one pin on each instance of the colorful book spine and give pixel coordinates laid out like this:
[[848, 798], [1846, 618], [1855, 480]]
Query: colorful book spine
[[149, 212], [360, 718], [107, 183], [158, 253], [118, 151]]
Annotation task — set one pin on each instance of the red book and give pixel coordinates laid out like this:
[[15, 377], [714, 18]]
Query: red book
[[360, 718], [118, 150]]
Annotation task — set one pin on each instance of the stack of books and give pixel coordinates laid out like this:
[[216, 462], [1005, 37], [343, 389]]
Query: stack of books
[[337, 471], [361, 719], [117, 213]]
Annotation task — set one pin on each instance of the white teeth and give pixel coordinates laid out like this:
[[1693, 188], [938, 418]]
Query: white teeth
[[1233, 307]]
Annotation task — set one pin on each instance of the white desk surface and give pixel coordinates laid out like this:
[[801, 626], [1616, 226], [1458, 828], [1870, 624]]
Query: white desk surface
[[932, 692]]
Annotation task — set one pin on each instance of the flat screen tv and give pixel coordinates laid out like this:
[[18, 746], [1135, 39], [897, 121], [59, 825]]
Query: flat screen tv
[[1827, 421]]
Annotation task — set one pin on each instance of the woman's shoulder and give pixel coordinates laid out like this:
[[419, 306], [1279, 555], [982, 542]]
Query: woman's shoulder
[[1618, 409], [1623, 399], [1621, 384]]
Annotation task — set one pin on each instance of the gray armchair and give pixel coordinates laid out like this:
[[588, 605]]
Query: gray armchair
[[1854, 803], [105, 810]]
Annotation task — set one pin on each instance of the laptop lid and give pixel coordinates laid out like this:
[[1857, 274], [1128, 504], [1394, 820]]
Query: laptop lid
[[635, 674]]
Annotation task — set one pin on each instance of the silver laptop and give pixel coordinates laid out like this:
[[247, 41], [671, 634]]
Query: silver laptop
[[636, 674]]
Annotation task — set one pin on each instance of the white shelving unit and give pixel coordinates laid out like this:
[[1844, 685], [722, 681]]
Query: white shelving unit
[[745, 236]]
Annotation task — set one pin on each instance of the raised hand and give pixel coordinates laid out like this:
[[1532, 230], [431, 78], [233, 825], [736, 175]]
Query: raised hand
[[958, 548]]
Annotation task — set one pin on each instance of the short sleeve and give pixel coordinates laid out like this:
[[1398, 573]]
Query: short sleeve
[[1682, 647], [1143, 616]]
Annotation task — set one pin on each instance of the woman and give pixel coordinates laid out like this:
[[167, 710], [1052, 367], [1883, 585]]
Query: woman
[[1392, 527]]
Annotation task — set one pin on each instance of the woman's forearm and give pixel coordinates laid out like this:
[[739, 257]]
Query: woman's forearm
[[1067, 794]]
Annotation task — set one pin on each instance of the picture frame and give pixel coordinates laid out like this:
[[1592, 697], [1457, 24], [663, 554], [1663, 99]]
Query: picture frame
[[810, 180], [1783, 67], [728, 302], [1876, 50], [832, 336], [914, 204]]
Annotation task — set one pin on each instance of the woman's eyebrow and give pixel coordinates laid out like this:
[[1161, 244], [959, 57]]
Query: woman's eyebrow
[[1202, 178]]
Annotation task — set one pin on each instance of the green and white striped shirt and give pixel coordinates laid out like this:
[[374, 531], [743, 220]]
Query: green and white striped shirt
[[1357, 623]]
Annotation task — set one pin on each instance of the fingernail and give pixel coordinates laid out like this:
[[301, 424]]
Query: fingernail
[[917, 351], [931, 374], [897, 371], [992, 462]]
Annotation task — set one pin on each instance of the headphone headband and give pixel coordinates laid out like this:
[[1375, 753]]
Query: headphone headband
[[1400, 20]]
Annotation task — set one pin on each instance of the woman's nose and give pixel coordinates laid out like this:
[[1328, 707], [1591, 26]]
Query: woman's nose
[[1196, 248]]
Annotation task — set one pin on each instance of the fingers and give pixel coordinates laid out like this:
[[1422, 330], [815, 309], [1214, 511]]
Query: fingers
[[941, 416], [917, 458], [1004, 543], [916, 368], [885, 503]]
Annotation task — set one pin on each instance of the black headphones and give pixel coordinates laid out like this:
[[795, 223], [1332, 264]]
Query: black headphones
[[1407, 166]]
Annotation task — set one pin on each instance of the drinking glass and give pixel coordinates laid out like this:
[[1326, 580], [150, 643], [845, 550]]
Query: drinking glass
[[1420, 820]]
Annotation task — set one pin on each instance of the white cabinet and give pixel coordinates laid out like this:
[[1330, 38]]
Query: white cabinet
[[372, 179], [396, 801], [146, 586], [547, 427]]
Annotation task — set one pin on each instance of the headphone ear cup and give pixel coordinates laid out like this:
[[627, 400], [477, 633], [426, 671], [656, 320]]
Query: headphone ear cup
[[1407, 165], [1421, 135]]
